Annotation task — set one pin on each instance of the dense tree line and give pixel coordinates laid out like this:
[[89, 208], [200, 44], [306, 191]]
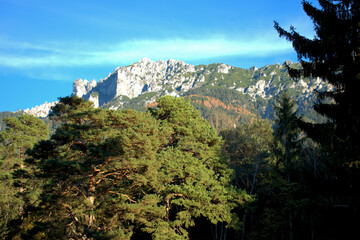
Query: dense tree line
[[164, 174]]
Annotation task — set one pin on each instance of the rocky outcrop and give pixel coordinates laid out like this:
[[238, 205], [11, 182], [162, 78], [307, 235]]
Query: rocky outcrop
[[138, 78], [82, 87], [41, 111]]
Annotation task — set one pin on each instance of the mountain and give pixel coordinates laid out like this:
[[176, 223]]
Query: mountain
[[239, 93]]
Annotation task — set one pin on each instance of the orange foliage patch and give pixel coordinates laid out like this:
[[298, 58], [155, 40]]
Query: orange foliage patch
[[151, 105], [211, 102]]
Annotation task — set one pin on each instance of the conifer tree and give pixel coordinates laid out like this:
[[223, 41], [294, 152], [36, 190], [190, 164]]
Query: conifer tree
[[287, 133], [287, 130], [333, 55]]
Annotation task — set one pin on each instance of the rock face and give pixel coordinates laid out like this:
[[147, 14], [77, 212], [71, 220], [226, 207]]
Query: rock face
[[138, 78], [81, 87]]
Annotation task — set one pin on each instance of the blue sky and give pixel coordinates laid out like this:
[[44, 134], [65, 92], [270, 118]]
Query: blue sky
[[46, 45]]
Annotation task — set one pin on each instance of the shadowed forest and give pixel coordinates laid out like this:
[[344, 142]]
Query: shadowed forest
[[173, 172]]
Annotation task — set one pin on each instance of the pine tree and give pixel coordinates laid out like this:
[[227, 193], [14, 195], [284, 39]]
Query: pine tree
[[100, 172]]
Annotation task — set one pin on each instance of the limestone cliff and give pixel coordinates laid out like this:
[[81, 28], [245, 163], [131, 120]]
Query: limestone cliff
[[138, 78]]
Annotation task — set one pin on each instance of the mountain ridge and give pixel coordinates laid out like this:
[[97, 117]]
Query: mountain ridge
[[141, 83]]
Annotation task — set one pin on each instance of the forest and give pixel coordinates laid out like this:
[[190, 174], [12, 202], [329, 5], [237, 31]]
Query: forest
[[168, 173]]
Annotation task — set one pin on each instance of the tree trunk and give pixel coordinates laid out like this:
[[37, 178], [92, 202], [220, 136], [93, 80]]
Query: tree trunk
[[21, 189], [91, 198]]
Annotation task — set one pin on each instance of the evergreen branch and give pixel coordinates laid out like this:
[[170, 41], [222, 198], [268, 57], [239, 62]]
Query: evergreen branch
[[123, 195], [112, 184], [113, 222], [77, 189]]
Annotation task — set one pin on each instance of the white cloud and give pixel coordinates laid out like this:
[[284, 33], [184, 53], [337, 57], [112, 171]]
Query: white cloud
[[25, 55]]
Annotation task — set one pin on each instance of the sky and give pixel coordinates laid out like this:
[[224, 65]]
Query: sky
[[46, 45]]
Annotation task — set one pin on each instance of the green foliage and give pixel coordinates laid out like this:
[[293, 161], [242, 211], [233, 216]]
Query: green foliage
[[21, 133], [16, 184], [8, 201], [5, 115], [98, 164], [117, 174], [286, 176], [196, 142], [249, 148]]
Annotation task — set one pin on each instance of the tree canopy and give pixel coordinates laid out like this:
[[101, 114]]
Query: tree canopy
[[122, 174], [16, 187]]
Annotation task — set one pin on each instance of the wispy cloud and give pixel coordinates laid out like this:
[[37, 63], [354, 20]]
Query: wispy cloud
[[24, 55]]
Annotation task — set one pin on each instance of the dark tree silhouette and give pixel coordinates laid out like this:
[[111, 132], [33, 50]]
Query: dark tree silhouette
[[333, 55]]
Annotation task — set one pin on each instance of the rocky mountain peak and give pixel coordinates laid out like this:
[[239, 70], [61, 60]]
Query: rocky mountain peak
[[136, 79], [145, 60]]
